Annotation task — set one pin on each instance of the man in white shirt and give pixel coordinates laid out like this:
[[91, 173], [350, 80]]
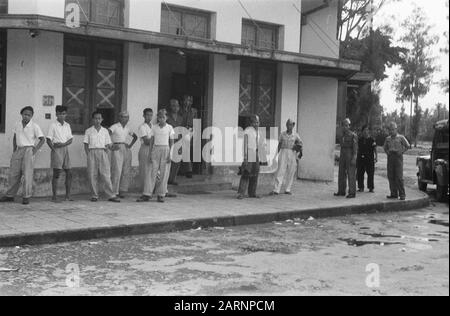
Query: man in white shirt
[[145, 162], [59, 139], [121, 156], [162, 140], [254, 153], [96, 144], [26, 134]]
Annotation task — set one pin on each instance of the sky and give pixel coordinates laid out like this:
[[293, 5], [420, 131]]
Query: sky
[[394, 14]]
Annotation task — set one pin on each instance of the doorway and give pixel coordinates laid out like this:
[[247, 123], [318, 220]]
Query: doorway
[[185, 73]]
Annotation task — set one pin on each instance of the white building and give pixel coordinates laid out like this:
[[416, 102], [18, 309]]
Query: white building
[[277, 58]]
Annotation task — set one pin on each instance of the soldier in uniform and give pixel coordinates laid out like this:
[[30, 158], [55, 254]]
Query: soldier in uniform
[[347, 161], [395, 146]]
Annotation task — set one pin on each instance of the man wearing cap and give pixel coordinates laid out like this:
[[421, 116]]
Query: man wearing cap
[[347, 161], [395, 146]]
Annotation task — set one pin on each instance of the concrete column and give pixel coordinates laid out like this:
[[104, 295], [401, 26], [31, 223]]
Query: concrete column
[[287, 94], [223, 92], [140, 84], [317, 126]]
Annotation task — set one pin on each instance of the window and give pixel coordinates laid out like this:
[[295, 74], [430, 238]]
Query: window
[[109, 12], [257, 93], [2, 79], [259, 35], [3, 6], [92, 81], [185, 22]]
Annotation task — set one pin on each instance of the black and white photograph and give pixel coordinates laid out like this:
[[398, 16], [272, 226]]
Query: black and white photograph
[[226, 155]]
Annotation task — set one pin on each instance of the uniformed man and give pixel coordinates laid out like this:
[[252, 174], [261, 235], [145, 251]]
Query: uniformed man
[[347, 161], [367, 158], [395, 146]]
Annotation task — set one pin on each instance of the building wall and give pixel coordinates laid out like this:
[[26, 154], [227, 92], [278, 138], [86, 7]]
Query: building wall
[[319, 35], [146, 15], [141, 76], [28, 80], [317, 126]]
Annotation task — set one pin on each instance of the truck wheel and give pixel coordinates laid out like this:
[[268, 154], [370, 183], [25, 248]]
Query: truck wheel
[[441, 192], [422, 186]]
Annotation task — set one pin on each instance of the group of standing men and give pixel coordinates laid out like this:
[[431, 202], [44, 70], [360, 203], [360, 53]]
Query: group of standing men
[[108, 153], [359, 156]]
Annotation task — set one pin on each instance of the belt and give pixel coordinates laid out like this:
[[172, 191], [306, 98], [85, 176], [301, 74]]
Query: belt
[[119, 143], [24, 147]]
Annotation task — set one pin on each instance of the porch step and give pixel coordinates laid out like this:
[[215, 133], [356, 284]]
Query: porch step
[[199, 185]]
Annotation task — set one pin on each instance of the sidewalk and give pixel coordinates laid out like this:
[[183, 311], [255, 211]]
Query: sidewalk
[[45, 222]]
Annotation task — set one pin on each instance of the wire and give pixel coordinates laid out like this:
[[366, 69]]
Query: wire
[[325, 33], [325, 42], [84, 13], [175, 18], [248, 14]]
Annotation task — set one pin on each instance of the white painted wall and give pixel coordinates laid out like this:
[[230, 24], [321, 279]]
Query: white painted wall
[[317, 126], [319, 35], [223, 93], [287, 94], [34, 69], [141, 75]]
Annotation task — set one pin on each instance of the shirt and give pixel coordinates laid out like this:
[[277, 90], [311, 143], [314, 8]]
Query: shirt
[[145, 130], [97, 139], [350, 141], [119, 133], [256, 145], [60, 133], [175, 122], [366, 148], [288, 141], [398, 144], [28, 135], [162, 134]]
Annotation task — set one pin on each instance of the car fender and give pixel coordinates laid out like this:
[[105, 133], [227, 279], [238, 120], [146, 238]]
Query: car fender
[[441, 171]]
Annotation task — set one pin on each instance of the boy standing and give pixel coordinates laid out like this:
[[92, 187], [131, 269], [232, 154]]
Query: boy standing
[[96, 143], [161, 143], [121, 156], [26, 133], [145, 162], [59, 139], [395, 146]]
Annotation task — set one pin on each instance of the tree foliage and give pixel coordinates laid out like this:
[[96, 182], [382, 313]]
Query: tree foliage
[[417, 65]]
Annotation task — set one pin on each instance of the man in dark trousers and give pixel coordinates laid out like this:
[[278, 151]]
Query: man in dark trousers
[[367, 158], [175, 119], [347, 162]]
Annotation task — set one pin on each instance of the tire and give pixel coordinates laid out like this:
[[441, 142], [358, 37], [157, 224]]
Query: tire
[[441, 193], [422, 186]]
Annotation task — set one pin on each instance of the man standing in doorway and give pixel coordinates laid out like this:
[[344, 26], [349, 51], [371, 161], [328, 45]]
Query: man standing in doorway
[[174, 119]]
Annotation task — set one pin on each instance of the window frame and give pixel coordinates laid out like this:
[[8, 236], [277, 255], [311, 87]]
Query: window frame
[[261, 25], [184, 11], [4, 4], [92, 12], [94, 46], [255, 69], [3, 53]]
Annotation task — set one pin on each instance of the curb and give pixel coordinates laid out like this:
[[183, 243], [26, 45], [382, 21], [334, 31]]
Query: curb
[[227, 221]]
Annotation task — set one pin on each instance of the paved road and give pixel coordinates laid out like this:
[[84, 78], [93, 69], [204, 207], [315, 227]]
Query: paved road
[[408, 251], [325, 257]]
